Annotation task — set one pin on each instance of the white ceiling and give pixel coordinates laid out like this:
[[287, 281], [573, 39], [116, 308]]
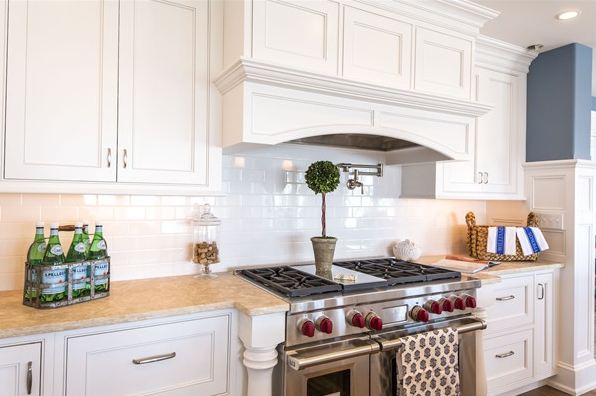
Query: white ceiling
[[529, 22]]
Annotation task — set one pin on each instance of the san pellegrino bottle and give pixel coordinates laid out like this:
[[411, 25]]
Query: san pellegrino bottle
[[86, 238], [38, 248], [55, 278], [35, 256], [99, 251], [76, 253]]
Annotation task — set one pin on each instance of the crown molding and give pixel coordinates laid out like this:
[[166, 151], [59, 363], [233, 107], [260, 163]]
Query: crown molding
[[248, 70], [499, 55]]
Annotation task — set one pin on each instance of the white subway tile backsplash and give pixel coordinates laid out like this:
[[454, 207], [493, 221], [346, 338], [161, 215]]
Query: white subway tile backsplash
[[268, 216]]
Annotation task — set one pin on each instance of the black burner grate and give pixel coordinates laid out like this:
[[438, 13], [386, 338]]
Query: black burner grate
[[291, 282], [397, 272]]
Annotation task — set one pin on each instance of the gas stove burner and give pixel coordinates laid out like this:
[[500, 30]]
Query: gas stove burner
[[291, 282], [397, 272]]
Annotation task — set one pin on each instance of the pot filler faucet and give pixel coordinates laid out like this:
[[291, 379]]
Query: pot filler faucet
[[355, 170]]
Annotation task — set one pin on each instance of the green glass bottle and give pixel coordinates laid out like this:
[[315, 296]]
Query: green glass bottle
[[54, 278], [35, 257], [76, 253], [99, 251], [86, 238], [38, 247]]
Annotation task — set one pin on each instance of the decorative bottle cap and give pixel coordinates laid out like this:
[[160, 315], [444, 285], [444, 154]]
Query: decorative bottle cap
[[54, 225], [78, 225], [40, 224]]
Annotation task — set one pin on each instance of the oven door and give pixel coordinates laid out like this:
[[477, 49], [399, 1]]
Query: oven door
[[339, 368], [384, 366]]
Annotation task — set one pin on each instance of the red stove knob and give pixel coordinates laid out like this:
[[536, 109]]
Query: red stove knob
[[419, 314], [324, 325], [433, 307], [356, 319], [458, 302], [306, 327], [446, 305], [374, 322], [470, 301]]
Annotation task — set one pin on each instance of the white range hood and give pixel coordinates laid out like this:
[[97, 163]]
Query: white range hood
[[271, 96]]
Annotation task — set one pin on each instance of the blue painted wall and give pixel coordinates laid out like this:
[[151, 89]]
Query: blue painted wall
[[593, 102], [559, 104]]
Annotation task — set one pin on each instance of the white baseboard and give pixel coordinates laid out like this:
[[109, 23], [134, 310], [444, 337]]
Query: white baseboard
[[575, 380]]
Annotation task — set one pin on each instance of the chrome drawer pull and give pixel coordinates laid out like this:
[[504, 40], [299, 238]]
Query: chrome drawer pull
[[29, 377], [504, 355], [153, 359], [505, 298]]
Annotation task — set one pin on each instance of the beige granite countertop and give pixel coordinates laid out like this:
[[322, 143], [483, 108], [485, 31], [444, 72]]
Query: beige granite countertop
[[139, 300], [492, 275]]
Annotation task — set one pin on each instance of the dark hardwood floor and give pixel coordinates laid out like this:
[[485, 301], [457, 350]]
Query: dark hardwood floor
[[548, 391]]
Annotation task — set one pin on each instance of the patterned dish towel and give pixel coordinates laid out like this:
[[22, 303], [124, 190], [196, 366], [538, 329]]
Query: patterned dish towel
[[427, 364], [531, 240]]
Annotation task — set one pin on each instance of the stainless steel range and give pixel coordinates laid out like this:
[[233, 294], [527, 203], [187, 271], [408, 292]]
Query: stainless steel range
[[343, 328]]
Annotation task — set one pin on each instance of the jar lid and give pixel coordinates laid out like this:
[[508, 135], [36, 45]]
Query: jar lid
[[205, 217]]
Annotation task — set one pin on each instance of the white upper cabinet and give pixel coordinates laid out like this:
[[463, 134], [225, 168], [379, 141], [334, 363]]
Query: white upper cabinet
[[443, 63], [498, 132], [498, 152], [112, 91], [377, 49], [62, 82], [297, 33], [163, 128]]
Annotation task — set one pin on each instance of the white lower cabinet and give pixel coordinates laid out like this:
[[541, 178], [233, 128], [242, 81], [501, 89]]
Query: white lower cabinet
[[519, 339], [20, 370], [184, 358]]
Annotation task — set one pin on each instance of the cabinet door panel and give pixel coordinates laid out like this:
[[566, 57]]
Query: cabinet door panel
[[163, 92], [191, 358], [544, 323], [14, 367], [376, 48], [443, 63], [61, 108], [497, 131], [302, 34]]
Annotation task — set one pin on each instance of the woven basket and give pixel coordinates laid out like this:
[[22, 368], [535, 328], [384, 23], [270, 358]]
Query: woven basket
[[478, 236]]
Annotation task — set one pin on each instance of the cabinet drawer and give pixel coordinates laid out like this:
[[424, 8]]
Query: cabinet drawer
[[509, 358], [512, 304], [178, 359]]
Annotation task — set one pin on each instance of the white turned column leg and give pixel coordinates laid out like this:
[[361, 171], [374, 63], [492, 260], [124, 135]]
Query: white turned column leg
[[259, 363], [260, 335]]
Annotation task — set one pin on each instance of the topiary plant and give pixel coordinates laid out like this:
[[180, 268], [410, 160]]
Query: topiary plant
[[322, 177]]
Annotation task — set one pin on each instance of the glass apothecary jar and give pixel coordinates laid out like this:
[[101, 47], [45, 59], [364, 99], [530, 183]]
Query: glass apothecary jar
[[205, 247]]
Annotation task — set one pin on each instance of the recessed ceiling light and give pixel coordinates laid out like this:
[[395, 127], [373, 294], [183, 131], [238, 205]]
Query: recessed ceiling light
[[567, 15]]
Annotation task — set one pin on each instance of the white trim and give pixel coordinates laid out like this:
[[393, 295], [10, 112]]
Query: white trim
[[270, 74]]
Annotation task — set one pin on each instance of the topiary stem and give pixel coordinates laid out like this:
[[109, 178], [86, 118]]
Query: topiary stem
[[323, 210]]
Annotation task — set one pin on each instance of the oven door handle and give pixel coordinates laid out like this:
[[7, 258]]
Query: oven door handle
[[298, 363], [477, 324]]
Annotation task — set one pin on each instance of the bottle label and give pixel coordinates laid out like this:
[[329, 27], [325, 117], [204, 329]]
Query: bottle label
[[41, 248], [79, 272], [56, 250], [55, 279], [101, 245], [80, 247], [101, 269]]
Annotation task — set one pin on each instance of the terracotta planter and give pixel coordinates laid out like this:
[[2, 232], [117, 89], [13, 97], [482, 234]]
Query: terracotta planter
[[324, 249]]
